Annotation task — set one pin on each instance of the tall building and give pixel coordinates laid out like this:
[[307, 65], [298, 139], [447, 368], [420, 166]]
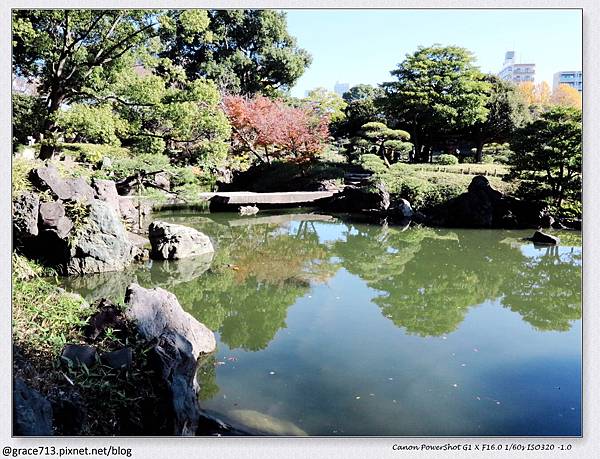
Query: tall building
[[341, 88], [572, 78], [516, 72]]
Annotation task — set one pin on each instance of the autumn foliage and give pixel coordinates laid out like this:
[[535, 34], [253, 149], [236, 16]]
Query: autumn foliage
[[270, 129]]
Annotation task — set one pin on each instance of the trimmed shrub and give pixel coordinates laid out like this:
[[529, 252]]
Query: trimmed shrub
[[447, 159]]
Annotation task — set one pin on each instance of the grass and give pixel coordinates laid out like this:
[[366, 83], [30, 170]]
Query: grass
[[495, 170], [44, 319], [427, 185]]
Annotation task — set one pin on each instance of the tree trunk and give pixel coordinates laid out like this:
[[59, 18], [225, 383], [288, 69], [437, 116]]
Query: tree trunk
[[383, 155], [479, 152], [55, 100]]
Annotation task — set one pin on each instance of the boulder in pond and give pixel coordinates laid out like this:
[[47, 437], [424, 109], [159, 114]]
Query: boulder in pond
[[544, 239], [32, 412], [53, 218], [157, 311], [180, 339], [359, 198], [101, 244], [263, 424], [402, 208], [170, 241], [25, 209]]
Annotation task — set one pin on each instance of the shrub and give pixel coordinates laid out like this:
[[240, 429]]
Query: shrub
[[20, 174], [91, 123], [372, 163], [93, 153], [126, 167], [447, 159]]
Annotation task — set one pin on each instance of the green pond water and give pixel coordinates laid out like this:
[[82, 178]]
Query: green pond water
[[331, 327]]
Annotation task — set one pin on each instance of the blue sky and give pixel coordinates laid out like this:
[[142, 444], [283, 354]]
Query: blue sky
[[362, 46]]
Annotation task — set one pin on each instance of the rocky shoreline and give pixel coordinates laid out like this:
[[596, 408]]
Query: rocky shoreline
[[79, 228]]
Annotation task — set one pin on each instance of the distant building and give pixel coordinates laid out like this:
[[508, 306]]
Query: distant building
[[341, 88], [517, 73], [572, 78], [22, 85]]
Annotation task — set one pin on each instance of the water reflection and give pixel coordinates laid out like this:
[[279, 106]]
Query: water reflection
[[425, 280]]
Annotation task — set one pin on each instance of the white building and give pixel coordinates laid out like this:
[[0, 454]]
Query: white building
[[341, 88], [573, 78], [516, 72]]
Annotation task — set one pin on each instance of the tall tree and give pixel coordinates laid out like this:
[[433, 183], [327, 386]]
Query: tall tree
[[326, 103], [438, 92], [548, 152], [566, 96], [245, 51], [506, 112], [362, 107], [65, 50]]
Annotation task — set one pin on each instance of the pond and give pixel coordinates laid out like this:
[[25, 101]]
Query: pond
[[331, 327]]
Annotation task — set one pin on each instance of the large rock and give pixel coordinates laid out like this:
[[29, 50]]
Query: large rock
[[162, 180], [180, 339], [133, 211], [48, 178], [173, 360], [81, 190], [170, 241], [102, 244], [32, 412], [106, 191], [25, 208], [360, 198], [157, 311], [484, 207], [53, 218], [544, 239]]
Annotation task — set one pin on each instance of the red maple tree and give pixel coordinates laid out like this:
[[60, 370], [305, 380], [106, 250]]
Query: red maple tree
[[270, 129]]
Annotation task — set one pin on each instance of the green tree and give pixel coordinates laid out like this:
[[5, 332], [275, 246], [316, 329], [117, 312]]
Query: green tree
[[388, 142], [184, 121], [362, 107], [244, 51], [29, 113], [326, 103], [438, 92], [65, 50], [548, 153], [507, 111]]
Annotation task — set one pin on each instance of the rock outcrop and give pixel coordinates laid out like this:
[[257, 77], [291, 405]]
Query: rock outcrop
[[32, 412], [48, 178], [484, 207], [180, 339], [544, 239], [360, 198], [25, 209], [157, 311], [170, 241], [101, 245], [53, 218]]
